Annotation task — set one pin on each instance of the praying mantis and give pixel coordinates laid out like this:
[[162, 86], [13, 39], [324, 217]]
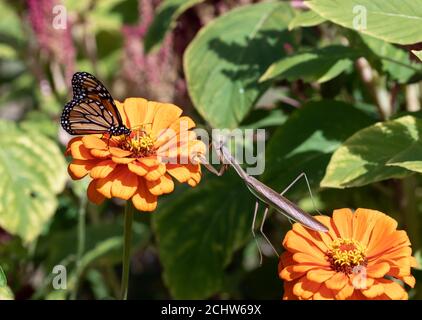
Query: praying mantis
[[264, 193]]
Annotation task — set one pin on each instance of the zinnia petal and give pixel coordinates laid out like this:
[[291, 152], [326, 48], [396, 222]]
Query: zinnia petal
[[124, 185], [143, 200], [78, 169], [102, 169], [378, 270], [164, 117], [93, 195], [135, 110], [161, 186], [138, 168], [345, 293], [373, 291], [80, 152], [93, 142], [343, 222], [320, 275], [337, 281]]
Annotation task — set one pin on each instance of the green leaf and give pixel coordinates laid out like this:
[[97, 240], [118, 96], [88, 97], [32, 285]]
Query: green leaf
[[165, 20], [418, 54], [262, 118], [396, 21], [410, 158], [319, 65], [105, 16], [394, 61], [3, 280], [198, 233], [323, 126], [6, 294], [374, 154], [37, 121], [104, 240], [33, 171], [306, 19], [11, 30], [7, 52], [225, 60]]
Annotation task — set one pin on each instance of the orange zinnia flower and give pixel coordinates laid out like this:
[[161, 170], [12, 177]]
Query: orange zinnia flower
[[139, 167], [361, 257]]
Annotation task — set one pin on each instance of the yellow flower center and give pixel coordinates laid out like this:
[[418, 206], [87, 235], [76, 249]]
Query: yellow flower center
[[345, 254], [141, 143]]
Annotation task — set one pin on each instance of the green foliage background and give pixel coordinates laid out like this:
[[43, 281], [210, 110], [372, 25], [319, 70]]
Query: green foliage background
[[339, 102]]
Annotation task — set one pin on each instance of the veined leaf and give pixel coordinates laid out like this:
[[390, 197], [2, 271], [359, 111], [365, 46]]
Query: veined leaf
[[306, 19], [418, 54], [3, 280], [396, 21], [104, 240], [10, 25], [198, 233], [395, 61], [319, 65], [324, 125], [6, 293], [381, 151], [33, 171], [225, 60], [165, 20]]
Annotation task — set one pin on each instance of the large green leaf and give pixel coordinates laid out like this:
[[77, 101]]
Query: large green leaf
[[418, 54], [105, 16], [6, 293], [306, 19], [104, 240], [319, 65], [11, 30], [104, 245], [395, 61], [3, 280], [306, 141], [375, 153], [396, 21], [198, 233], [225, 60], [33, 171], [165, 20]]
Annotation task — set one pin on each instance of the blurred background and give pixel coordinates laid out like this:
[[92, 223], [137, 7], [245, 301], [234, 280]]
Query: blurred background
[[136, 48]]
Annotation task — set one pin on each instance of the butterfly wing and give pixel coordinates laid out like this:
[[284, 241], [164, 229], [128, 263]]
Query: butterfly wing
[[92, 109]]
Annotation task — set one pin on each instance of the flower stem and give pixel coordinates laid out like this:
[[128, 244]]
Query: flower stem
[[81, 243], [129, 209]]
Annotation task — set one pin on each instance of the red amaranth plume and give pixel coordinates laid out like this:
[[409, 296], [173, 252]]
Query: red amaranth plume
[[148, 73], [56, 43]]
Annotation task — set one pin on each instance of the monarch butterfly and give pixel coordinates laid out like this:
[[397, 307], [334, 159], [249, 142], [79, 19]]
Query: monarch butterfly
[[92, 109]]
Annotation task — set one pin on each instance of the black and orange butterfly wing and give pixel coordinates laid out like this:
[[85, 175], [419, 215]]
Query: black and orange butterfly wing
[[92, 109]]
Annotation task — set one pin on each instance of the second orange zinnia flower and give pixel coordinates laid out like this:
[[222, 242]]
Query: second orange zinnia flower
[[362, 256], [141, 166]]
